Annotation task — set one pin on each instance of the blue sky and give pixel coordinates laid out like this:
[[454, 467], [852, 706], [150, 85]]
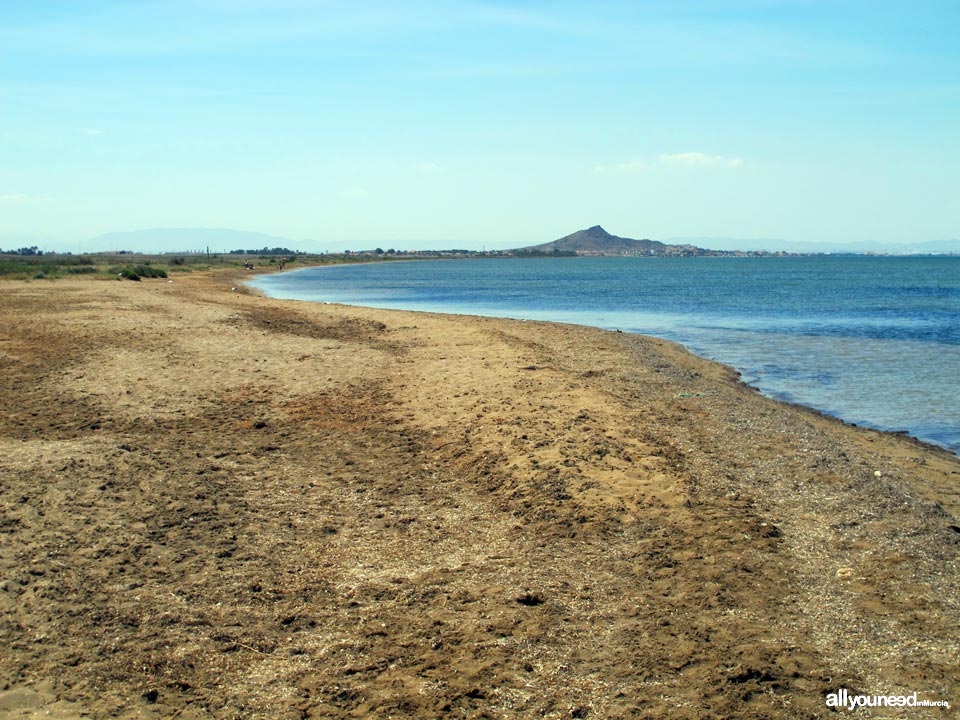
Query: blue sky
[[469, 124]]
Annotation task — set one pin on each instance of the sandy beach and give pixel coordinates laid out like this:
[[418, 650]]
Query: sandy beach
[[217, 505]]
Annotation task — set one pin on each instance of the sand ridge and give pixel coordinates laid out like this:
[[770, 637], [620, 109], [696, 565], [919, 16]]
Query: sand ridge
[[220, 505]]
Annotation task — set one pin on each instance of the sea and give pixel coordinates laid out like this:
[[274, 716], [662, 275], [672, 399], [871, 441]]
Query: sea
[[873, 340]]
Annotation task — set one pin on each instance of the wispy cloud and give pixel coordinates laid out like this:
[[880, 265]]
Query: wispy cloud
[[117, 29], [692, 160], [701, 160], [427, 168], [22, 199], [122, 29]]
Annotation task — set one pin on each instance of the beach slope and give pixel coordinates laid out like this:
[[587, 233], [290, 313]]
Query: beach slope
[[219, 505]]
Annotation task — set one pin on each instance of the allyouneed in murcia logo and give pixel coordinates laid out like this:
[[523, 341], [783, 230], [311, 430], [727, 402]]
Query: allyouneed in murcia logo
[[843, 699]]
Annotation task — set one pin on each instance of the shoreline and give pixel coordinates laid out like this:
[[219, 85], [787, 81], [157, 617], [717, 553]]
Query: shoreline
[[219, 503], [779, 396]]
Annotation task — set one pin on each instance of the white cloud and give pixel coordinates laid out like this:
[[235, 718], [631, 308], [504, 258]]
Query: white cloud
[[22, 199], [427, 168], [669, 160], [699, 159], [632, 166]]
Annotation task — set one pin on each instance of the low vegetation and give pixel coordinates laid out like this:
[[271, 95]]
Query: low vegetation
[[135, 272], [43, 266], [19, 265], [16, 265]]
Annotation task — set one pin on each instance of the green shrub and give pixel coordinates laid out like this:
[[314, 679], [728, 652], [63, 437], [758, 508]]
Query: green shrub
[[135, 272], [148, 271]]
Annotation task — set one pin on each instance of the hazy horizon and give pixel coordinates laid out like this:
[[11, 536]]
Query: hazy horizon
[[450, 123], [222, 240]]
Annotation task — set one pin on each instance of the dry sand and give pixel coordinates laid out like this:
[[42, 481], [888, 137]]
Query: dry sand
[[219, 505]]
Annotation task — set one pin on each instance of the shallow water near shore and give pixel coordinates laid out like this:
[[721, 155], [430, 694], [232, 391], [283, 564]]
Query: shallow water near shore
[[872, 340]]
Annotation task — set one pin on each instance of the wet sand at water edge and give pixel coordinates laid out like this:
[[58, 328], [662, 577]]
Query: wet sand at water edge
[[219, 505]]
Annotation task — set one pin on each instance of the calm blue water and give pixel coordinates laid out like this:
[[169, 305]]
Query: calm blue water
[[873, 340]]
